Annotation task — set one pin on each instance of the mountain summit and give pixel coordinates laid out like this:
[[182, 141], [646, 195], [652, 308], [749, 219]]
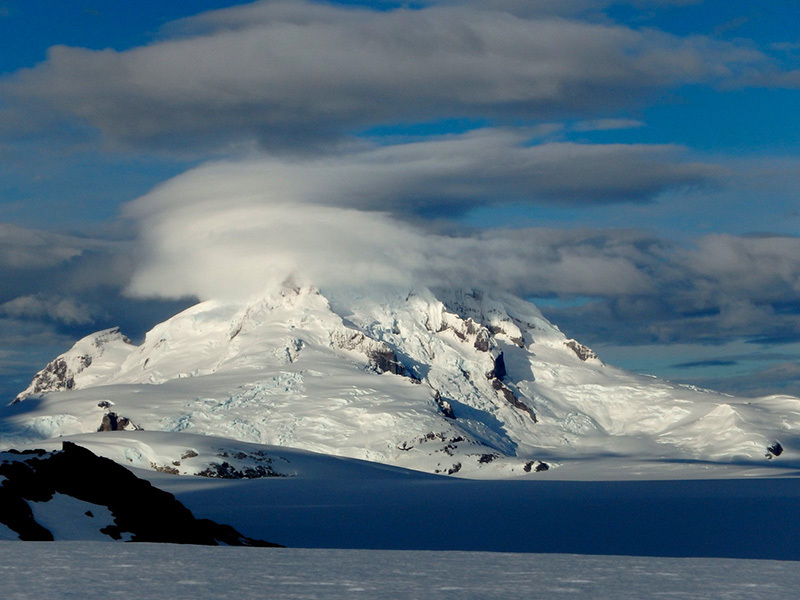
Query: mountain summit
[[457, 382]]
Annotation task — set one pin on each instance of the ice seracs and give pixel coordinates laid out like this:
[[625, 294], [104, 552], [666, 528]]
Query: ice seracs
[[459, 382]]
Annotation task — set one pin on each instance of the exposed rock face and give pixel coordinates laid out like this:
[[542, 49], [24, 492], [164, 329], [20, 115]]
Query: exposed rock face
[[227, 471], [382, 358], [56, 376], [512, 399], [60, 374], [536, 466], [499, 369], [113, 422], [385, 361], [483, 340], [583, 352], [140, 510], [444, 406], [774, 450]]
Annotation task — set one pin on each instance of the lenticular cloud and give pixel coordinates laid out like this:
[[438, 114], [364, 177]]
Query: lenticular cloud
[[228, 230]]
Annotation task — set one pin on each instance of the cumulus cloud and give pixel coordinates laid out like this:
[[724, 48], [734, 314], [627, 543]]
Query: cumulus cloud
[[297, 74]]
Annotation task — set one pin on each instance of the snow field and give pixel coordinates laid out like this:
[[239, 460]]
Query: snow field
[[102, 571]]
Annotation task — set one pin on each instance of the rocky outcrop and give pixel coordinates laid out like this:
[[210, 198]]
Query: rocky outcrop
[[467, 330], [113, 422], [225, 470], [516, 340], [496, 375], [56, 376], [385, 361], [536, 466], [444, 405], [498, 369], [382, 359], [60, 374], [508, 394], [140, 511], [583, 352], [774, 450]]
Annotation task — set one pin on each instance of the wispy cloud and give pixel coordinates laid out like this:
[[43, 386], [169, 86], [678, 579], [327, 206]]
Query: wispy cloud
[[607, 124], [65, 310], [711, 362], [25, 248]]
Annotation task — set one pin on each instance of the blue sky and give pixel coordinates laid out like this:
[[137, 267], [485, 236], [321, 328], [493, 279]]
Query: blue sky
[[655, 138]]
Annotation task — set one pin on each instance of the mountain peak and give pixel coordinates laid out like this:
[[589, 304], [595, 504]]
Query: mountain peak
[[451, 381], [99, 351]]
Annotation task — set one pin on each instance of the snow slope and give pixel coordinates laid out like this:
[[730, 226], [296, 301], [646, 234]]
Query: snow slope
[[455, 382]]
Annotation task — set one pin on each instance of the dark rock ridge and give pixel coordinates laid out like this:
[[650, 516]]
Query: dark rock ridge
[[497, 374], [582, 352], [517, 341], [144, 512], [536, 465], [225, 470]]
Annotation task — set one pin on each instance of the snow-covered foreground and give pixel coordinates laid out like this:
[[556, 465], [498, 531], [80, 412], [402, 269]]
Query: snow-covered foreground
[[87, 570]]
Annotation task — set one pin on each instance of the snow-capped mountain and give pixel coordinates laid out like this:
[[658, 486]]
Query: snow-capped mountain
[[454, 382]]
